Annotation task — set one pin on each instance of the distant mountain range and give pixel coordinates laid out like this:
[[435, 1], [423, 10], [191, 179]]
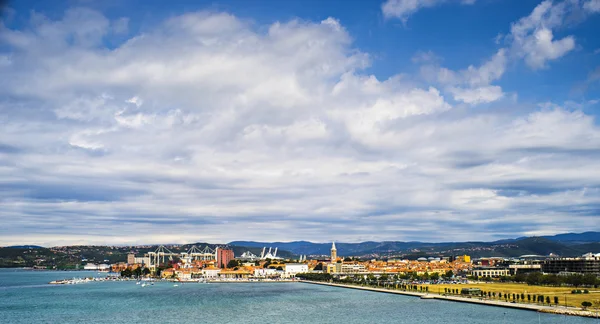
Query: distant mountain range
[[570, 244], [25, 247]]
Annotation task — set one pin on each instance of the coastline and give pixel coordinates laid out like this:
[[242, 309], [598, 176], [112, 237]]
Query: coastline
[[538, 308]]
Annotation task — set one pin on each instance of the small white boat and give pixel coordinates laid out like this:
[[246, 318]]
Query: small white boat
[[144, 285], [175, 285]]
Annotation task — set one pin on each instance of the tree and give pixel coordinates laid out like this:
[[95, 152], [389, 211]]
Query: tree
[[137, 272], [586, 304], [233, 264], [280, 268], [435, 276], [534, 278], [347, 259], [520, 277], [315, 276], [319, 267], [126, 273], [448, 275], [588, 279], [548, 300], [146, 271], [574, 280], [556, 300], [529, 298]]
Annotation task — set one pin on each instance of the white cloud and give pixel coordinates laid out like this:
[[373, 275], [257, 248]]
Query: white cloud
[[120, 26], [479, 95], [425, 57], [532, 37], [207, 126], [471, 85], [592, 5], [403, 9]]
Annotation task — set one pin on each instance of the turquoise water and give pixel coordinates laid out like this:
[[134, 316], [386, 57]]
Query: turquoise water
[[25, 297]]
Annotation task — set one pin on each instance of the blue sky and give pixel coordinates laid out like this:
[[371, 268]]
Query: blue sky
[[153, 122]]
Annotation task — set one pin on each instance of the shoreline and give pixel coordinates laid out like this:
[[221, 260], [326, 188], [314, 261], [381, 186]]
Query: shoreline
[[538, 308]]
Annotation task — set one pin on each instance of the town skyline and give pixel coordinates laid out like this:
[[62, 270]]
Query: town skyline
[[132, 122]]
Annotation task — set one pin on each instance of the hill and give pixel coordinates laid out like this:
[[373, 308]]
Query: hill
[[570, 244]]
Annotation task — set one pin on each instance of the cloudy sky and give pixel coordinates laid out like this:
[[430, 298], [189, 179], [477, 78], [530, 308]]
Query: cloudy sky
[[436, 120]]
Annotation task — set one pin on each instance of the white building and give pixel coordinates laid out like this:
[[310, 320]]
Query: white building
[[265, 273], [90, 266], [352, 268], [142, 260], [211, 273], [491, 272], [291, 269], [184, 275]]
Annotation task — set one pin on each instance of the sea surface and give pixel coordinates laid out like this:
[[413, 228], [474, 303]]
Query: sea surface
[[25, 297]]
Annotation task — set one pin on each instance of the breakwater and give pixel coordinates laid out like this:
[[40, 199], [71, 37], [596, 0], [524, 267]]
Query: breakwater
[[473, 300]]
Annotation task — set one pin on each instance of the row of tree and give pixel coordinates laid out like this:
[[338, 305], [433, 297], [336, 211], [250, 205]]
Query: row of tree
[[315, 276], [508, 296], [136, 273], [539, 279]]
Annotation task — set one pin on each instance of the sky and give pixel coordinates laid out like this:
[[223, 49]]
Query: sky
[[132, 122]]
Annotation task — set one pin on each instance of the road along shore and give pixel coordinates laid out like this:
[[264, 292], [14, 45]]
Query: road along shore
[[559, 310]]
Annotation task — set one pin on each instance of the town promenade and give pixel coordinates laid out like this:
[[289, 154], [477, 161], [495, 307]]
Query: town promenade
[[559, 310]]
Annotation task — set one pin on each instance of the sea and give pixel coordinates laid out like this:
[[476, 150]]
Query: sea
[[26, 297]]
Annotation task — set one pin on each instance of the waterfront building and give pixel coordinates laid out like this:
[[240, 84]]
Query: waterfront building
[[334, 268], [588, 263], [96, 267], [490, 272], [235, 274], [131, 259], [525, 268], [145, 260], [265, 272], [223, 256], [291, 269], [211, 272], [352, 268]]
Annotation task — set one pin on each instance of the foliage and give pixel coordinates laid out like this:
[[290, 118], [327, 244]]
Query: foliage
[[315, 276], [448, 275], [233, 264], [126, 273]]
